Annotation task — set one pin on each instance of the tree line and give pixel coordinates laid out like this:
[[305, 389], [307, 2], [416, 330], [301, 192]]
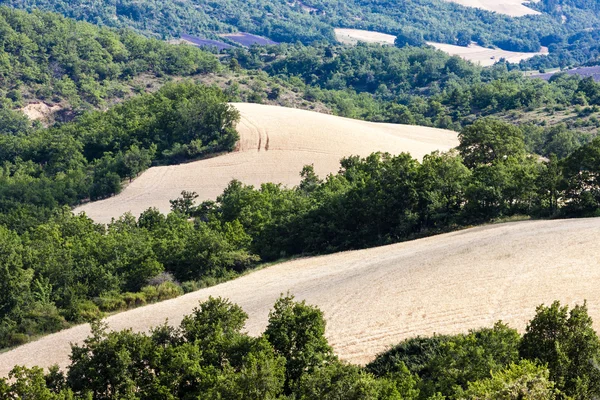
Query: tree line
[[209, 356], [424, 86], [314, 20], [383, 198], [60, 269]]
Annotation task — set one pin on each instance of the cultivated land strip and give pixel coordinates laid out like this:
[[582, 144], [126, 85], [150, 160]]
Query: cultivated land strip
[[275, 143], [377, 297]]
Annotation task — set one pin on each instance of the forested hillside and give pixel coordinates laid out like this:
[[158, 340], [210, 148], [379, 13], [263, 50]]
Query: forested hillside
[[50, 58], [314, 20], [373, 201]]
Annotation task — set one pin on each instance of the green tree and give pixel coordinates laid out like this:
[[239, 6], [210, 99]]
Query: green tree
[[525, 380], [442, 184], [15, 282], [566, 342], [184, 204], [488, 140], [582, 173], [342, 381], [297, 332]]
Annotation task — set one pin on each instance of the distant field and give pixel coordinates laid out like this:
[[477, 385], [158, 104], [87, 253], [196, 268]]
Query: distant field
[[484, 56], [353, 36], [377, 297], [514, 8], [276, 142], [196, 41], [594, 72], [247, 39], [477, 54]]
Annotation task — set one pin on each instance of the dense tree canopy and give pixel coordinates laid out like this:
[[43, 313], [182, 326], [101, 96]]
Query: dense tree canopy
[[47, 57]]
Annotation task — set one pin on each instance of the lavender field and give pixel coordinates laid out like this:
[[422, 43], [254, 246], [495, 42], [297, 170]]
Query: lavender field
[[205, 42], [248, 39], [594, 72]]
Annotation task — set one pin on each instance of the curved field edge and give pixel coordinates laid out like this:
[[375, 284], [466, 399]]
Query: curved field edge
[[275, 143], [377, 297], [476, 54]]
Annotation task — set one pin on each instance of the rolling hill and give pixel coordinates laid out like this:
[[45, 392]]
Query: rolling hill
[[275, 143], [377, 297]]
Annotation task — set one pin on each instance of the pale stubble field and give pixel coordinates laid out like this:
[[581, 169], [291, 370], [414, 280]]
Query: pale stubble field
[[377, 297]]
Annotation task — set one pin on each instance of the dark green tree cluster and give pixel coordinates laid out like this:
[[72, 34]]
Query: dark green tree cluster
[[47, 57], [88, 158], [70, 269], [556, 358], [208, 356]]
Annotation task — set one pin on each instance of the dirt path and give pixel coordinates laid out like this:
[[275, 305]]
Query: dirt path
[[375, 298], [275, 143]]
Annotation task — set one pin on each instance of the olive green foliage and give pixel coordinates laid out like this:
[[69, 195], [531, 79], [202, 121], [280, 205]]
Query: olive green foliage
[[525, 380], [297, 332], [88, 158], [70, 269], [47, 57], [382, 198], [341, 381], [566, 342], [445, 364], [555, 358], [209, 356]]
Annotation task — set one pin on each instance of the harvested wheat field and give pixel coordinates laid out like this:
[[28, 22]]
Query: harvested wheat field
[[484, 56], [275, 143], [513, 8], [353, 36], [475, 53], [377, 297]]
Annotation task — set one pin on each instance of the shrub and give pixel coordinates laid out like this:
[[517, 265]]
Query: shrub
[[87, 311], [169, 290], [17, 339], [150, 293], [42, 318], [110, 302], [134, 299], [189, 286], [161, 278]]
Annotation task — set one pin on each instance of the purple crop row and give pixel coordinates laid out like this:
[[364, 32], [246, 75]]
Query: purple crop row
[[206, 42], [248, 39], [594, 72]]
